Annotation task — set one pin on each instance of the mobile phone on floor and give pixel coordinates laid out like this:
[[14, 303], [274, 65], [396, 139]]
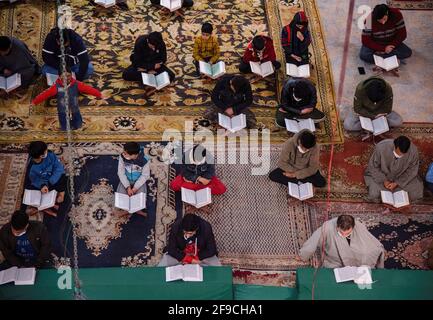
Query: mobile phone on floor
[[361, 70]]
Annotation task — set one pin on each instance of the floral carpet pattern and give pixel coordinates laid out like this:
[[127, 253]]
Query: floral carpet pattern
[[411, 4], [125, 113]]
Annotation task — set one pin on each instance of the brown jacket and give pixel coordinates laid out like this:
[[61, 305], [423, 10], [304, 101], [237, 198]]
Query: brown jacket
[[291, 160]]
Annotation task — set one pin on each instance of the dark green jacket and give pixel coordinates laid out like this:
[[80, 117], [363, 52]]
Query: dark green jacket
[[38, 236], [363, 106]]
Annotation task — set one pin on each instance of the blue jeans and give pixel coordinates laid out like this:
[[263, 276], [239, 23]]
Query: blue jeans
[[48, 69], [402, 52], [76, 121]]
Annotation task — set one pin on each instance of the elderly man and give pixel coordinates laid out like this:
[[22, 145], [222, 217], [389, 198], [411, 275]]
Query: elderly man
[[346, 242], [394, 166]]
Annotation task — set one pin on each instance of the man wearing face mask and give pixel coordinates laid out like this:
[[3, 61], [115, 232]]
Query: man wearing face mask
[[295, 39], [394, 166], [191, 241], [346, 242], [24, 243], [299, 161]]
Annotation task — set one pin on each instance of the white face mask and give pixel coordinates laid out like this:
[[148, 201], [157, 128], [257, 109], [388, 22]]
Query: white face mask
[[345, 237], [301, 151], [296, 99], [22, 233], [396, 155]]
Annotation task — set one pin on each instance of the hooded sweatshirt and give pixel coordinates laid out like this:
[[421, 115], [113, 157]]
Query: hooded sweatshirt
[[47, 172], [135, 172], [268, 53], [362, 104], [289, 40]]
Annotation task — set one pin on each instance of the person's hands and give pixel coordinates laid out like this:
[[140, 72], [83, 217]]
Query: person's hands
[[186, 180], [380, 115], [300, 35], [282, 110], [152, 72], [307, 110], [289, 174], [134, 190], [141, 69], [195, 261], [7, 72], [158, 65], [130, 192], [203, 181], [389, 48], [229, 112], [393, 185], [44, 189]]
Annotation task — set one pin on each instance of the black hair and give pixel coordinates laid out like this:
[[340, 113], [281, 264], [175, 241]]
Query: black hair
[[376, 89], [345, 222], [307, 139], [155, 39], [380, 11], [258, 42], [239, 83], [5, 43], [190, 222], [37, 149], [206, 28], [301, 90], [402, 143], [19, 220], [132, 148]]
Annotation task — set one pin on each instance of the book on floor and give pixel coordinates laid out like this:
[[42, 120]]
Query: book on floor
[[160, 81], [106, 3], [52, 78], [172, 5], [397, 199], [360, 274], [302, 71], [301, 191], [265, 69], [131, 204], [213, 71], [297, 125], [376, 126], [186, 272], [198, 198], [42, 201], [232, 124], [388, 64], [10, 83], [20, 276]]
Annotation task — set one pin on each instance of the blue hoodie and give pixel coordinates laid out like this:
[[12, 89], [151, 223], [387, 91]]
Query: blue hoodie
[[48, 172]]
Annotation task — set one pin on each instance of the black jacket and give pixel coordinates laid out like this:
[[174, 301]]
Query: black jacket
[[38, 237], [289, 104], [205, 241], [146, 58], [76, 52], [192, 171], [224, 97]]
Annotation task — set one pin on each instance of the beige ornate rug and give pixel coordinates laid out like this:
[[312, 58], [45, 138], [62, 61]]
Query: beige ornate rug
[[125, 114], [411, 4]]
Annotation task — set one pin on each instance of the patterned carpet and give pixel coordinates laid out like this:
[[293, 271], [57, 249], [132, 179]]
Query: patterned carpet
[[125, 114], [411, 4]]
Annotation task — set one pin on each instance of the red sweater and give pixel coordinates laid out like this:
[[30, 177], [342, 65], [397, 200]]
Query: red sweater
[[52, 91], [268, 53], [378, 36]]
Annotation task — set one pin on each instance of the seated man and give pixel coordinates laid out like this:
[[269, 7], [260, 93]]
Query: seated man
[[429, 178], [24, 243], [185, 4], [206, 47], [347, 243], [295, 39], [77, 57], [191, 241], [393, 166], [15, 57], [373, 99], [260, 49], [45, 171], [149, 56], [133, 171], [232, 96], [383, 34], [198, 172], [298, 101], [299, 161]]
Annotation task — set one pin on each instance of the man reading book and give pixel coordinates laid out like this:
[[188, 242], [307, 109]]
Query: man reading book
[[373, 99], [198, 172], [24, 243], [383, 34], [394, 166], [45, 172], [295, 39], [191, 240], [133, 170], [149, 56], [298, 101], [260, 49], [206, 47], [299, 161], [232, 96], [15, 57], [345, 242]]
